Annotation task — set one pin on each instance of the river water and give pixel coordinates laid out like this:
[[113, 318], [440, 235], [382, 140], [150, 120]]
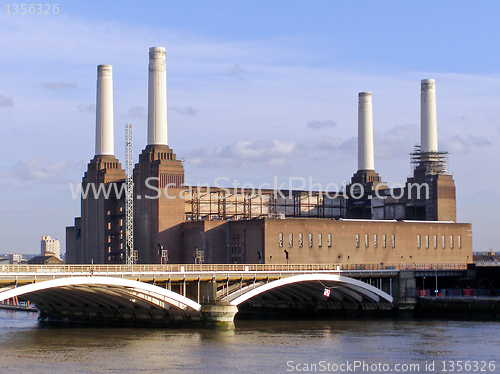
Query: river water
[[369, 346]]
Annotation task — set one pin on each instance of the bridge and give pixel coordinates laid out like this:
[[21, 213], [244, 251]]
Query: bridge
[[169, 294]]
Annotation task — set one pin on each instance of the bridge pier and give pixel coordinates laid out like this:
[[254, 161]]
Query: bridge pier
[[404, 290], [218, 314]]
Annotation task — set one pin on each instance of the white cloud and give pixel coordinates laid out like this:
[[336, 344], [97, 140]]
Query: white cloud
[[6, 101], [324, 146], [137, 112], [454, 144], [58, 85], [243, 152], [314, 124], [236, 71], [487, 192], [398, 141], [38, 168], [84, 108], [15, 132], [187, 111], [478, 141], [260, 149]]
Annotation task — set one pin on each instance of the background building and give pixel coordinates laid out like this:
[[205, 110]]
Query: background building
[[366, 223], [47, 259], [49, 246]]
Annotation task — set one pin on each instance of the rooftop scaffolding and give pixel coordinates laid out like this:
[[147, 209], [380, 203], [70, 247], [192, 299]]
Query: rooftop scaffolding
[[430, 162]]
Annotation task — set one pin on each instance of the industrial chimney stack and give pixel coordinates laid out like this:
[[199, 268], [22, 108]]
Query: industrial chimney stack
[[430, 166], [366, 175], [365, 132], [104, 169], [157, 97], [104, 143], [428, 116], [158, 221], [427, 159]]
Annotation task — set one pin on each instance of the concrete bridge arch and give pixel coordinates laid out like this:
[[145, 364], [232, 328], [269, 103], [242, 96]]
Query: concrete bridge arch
[[301, 291], [106, 299]]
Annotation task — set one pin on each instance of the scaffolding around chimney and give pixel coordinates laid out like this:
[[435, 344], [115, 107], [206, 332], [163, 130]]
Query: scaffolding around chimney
[[430, 162]]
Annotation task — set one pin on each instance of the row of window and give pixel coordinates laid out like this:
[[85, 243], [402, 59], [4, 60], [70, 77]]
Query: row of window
[[451, 242], [301, 240], [419, 241], [375, 241]]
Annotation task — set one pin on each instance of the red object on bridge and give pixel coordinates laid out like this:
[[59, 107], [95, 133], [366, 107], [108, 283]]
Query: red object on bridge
[[468, 292]]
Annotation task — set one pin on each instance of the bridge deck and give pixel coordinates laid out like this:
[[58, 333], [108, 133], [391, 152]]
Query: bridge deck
[[222, 267], [23, 274]]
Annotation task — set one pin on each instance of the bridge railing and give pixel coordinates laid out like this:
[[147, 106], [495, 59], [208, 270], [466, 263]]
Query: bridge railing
[[180, 268], [487, 263]]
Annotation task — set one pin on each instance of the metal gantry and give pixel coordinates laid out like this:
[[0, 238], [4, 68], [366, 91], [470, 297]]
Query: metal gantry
[[129, 196], [214, 203]]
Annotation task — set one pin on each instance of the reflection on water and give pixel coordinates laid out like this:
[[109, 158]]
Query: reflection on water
[[252, 347]]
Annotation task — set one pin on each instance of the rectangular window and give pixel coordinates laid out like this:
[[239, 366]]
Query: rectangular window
[[451, 241], [443, 241], [435, 241], [320, 240], [375, 242], [301, 241], [109, 225], [367, 241], [427, 241], [310, 240], [384, 241], [329, 240], [290, 240], [459, 241], [280, 238], [121, 222], [393, 241], [419, 242], [357, 240]]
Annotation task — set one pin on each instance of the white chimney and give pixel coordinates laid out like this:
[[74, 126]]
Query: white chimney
[[104, 142], [428, 117], [157, 97], [365, 132]]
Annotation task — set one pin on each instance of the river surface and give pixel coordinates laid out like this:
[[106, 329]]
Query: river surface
[[361, 346]]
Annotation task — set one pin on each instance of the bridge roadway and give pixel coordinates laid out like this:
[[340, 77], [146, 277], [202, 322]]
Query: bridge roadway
[[165, 294]]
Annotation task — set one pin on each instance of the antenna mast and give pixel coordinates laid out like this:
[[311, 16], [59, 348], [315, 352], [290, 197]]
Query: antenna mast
[[129, 195]]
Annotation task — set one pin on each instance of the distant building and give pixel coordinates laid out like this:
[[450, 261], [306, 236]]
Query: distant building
[[45, 260], [16, 258], [50, 246], [486, 257]]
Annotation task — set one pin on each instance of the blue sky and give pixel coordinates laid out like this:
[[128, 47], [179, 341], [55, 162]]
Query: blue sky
[[255, 89]]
